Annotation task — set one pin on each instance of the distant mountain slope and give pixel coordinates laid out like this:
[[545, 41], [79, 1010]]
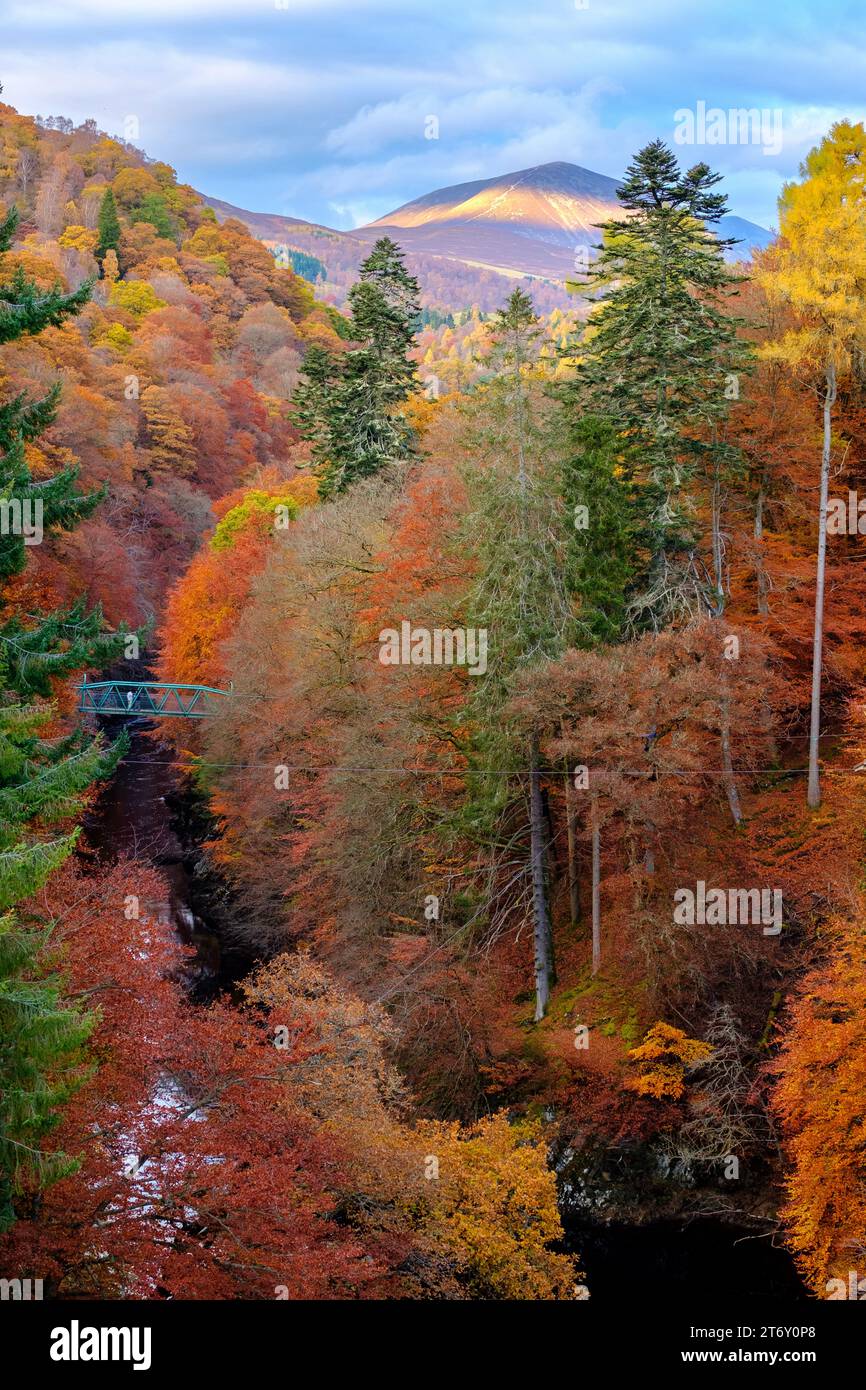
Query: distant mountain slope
[[463, 240], [530, 221], [447, 283], [272, 226]]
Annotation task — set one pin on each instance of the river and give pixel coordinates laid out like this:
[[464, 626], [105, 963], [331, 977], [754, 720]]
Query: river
[[143, 812]]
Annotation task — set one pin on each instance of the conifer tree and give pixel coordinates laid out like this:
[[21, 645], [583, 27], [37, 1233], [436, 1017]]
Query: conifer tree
[[52, 504], [42, 1062], [385, 314], [352, 414], [598, 492], [655, 363], [364, 433], [108, 227], [312, 403], [24, 309]]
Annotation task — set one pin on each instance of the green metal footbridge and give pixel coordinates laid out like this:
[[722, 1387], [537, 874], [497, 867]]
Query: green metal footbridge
[[134, 699]]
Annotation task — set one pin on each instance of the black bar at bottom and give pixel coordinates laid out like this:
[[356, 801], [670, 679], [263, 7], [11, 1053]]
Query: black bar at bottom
[[234, 1338]]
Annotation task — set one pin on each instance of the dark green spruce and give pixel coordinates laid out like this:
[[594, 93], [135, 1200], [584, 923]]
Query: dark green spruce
[[658, 363], [350, 408]]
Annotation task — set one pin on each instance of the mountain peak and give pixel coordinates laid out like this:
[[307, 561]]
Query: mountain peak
[[531, 221], [557, 177]]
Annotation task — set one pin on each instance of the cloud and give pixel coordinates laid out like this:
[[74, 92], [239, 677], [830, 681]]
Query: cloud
[[319, 108], [495, 113], [114, 14], [211, 111], [479, 135]]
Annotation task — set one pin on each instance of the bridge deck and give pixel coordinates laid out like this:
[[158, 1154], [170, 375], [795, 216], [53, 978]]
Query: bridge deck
[[159, 698]]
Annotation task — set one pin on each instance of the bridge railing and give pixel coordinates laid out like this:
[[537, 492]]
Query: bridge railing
[[162, 699]]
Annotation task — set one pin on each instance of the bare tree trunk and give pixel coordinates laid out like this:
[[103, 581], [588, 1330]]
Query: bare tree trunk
[[730, 781], [540, 914], [727, 761], [596, 887], [763, 607], [814, 792], [718, 571], [573, 876], [551, 871], [571, 829], [760, 570], [763, 604]]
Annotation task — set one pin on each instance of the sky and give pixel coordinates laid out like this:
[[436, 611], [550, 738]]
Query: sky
[[338, 111]]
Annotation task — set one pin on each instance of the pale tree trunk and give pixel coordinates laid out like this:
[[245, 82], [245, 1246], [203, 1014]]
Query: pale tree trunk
[[551, 874], [763, 607], [542, 935], [718, 570], [730, 782], [571, 830], [814, 792], [540, 914], [760, 569], [727, 761], [571, 827], [596, 887]]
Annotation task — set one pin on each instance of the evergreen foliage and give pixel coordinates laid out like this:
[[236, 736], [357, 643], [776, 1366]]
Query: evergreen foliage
[[655, 362], [108, 227], [598, 493], [24, 308], [350, 411]]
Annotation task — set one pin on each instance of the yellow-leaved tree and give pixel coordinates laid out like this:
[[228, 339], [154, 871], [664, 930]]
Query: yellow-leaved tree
[[665, 1056], [477, 1203], [819, 269]]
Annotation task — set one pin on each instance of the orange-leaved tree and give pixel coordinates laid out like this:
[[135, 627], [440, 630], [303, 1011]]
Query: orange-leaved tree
[[819, 1099], [204, 606]]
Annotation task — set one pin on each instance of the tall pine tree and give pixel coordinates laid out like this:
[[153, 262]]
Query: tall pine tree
[[108, 227], [385, 314], [312, 402], [351, 411], [655, 363]]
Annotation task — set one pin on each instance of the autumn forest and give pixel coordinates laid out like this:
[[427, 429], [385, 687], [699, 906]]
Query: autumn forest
[[506, 900]]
